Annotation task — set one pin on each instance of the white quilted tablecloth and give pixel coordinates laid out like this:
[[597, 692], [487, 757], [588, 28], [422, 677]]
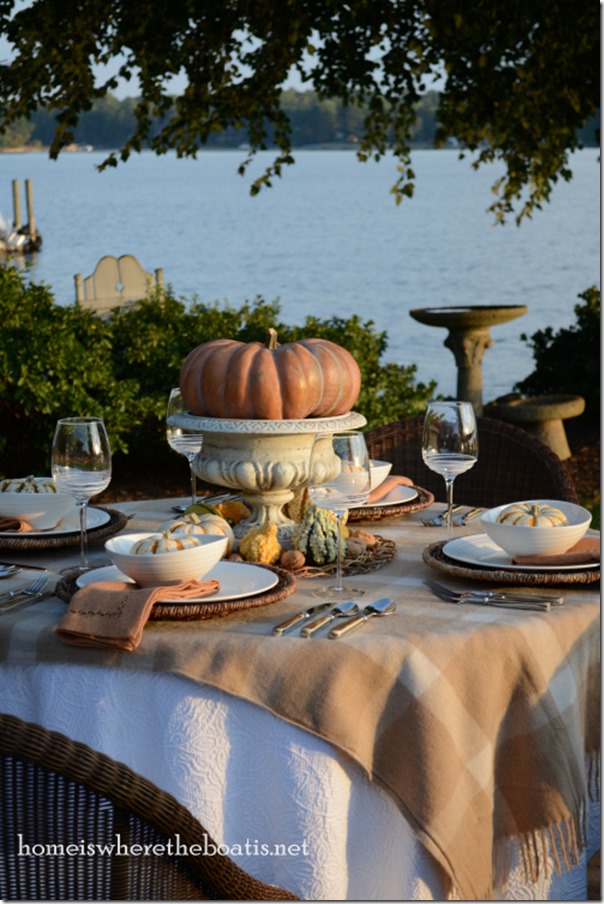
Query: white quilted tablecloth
[[253, 780]]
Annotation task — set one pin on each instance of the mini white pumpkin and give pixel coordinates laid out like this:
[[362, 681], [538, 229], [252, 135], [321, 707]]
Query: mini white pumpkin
[[192, 524], [533, 514], [161, 543], [29, 484]]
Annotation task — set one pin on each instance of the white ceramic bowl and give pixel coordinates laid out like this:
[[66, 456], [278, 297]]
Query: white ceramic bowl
[[524, 540], [158, 569], [42, 510], [378, 472]]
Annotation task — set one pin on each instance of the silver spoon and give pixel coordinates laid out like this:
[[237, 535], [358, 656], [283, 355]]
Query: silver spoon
[[380, 608], [9, 571], [341, 611]]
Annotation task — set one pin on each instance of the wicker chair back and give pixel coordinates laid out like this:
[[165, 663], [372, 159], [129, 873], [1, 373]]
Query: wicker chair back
[[512, 464], [56, 792]]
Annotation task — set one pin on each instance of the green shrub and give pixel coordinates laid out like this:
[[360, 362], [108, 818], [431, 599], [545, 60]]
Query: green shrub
[[569, 361], [57, 361]]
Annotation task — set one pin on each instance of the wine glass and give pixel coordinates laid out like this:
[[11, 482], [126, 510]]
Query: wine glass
[[450, 444], [81, 465], [340, 474], [186, 442]]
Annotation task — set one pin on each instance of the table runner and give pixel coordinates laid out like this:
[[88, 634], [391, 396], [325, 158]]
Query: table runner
[[476, 721]]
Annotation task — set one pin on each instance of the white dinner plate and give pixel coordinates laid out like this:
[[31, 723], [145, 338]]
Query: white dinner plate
[[237, 580], [69, 524], [481, 550], [397, 496]]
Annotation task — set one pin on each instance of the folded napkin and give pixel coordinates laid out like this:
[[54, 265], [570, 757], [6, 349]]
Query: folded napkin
[[586, 551], [14, 525], [112, 614], [391, 482]]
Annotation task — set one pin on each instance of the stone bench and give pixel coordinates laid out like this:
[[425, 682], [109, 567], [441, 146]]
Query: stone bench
[[543, 416]]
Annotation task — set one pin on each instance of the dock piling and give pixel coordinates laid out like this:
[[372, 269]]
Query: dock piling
[[16, 204], [29, 197]]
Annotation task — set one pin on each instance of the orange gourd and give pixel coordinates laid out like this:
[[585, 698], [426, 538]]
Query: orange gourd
[[308, 378]]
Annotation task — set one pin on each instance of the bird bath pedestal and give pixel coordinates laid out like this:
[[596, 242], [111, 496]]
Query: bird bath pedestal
[[264, 461], [468, 339]]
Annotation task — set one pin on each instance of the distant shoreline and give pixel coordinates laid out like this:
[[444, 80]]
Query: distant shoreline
[[320, 146], [35, 148]]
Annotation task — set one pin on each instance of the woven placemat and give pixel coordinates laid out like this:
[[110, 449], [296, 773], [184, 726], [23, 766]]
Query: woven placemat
[[21, 542], [378, 513], [286, 585], [374, 557], [433, 555]]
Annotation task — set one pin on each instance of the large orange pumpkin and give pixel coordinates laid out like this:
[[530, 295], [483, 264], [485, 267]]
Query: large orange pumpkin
[[309, 378]]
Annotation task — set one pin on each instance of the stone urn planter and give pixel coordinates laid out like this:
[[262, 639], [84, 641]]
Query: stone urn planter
[[263, 461]]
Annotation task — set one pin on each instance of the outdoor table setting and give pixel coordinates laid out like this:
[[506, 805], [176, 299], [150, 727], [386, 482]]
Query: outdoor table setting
[[361, 694], [446, 746]]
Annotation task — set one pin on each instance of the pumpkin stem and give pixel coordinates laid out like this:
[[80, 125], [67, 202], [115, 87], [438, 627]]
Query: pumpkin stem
[[272, 338]]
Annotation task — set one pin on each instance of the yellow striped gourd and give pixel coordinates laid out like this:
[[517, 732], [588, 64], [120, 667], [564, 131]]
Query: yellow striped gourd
[[532, 514]]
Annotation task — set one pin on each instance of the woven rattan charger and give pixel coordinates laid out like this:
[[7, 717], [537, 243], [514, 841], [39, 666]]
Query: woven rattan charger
[[191, 611], [434, 556], [380, 512], [21, 542]]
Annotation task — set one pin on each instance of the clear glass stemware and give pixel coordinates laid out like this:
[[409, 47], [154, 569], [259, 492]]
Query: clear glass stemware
[[450, 444], [185, 442], [81, 465], [340, 474]]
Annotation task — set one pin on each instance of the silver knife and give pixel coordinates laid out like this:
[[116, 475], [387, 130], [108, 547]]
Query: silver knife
[[516, 596], [507, 602], [380, 607], [300, 617], [21, 600], [26, 567]]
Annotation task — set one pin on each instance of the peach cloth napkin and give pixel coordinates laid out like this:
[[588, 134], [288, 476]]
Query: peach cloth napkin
[[113, 613], [14, 525], [586, 551], [389, 484]]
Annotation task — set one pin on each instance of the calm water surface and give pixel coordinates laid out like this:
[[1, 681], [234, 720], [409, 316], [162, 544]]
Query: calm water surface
[[326, 240]]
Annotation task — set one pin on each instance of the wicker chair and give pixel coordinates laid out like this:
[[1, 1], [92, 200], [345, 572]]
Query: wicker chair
[[55, 792], [512, 464]]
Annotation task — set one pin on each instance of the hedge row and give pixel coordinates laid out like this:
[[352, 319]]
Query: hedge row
[[62, 360]]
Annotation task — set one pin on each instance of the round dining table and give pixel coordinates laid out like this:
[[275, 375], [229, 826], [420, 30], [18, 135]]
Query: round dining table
[[447, 751]]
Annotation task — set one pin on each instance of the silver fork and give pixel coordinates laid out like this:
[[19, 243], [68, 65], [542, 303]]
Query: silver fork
[[501, 594], [34, 589], [439, 520], [467, 516], [211, 500], [491, 598]]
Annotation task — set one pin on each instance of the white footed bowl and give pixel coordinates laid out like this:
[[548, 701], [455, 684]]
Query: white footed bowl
[[265, 462], [378, 472], [524, 540], [157, 569], [42, 510]]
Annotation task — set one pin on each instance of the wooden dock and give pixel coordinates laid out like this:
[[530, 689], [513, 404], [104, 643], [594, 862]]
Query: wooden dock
[[19, 237]]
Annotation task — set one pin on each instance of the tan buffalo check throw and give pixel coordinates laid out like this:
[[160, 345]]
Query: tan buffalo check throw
[[476, 721]]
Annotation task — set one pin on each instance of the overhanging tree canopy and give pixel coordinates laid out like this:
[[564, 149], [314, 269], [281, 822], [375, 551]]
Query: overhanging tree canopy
[[519, 76]]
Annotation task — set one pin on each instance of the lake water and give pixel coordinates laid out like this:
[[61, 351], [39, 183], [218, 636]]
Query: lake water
[[326, 240]]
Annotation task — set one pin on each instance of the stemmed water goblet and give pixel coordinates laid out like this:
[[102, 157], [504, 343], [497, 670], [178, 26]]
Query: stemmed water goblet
[[185, 442], [450, 444], [81, 465], [339, 471]]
